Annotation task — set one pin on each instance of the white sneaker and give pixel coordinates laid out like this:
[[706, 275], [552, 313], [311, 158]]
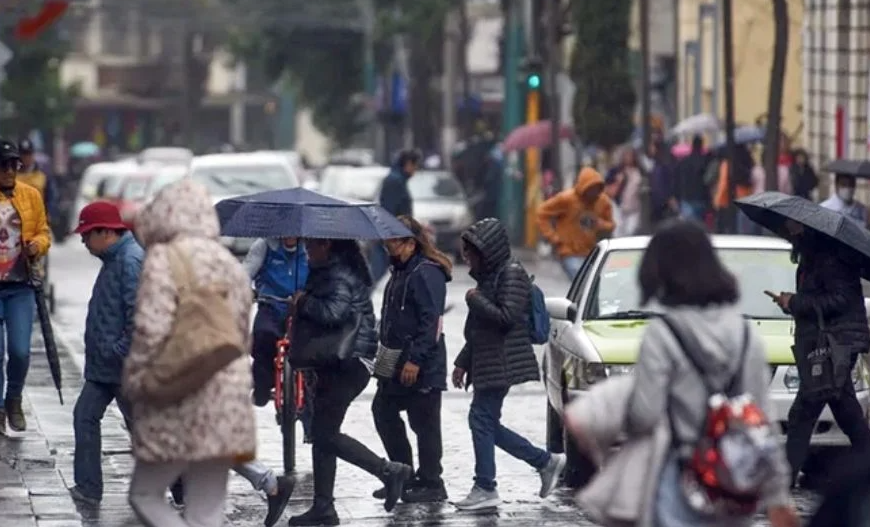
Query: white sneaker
[[551, 473], [479, 499]]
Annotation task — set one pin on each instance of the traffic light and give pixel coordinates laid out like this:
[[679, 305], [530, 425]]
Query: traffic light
[[533, 80], [532, 68]]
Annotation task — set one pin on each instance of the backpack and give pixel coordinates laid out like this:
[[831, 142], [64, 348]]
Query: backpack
[[205, 338], [539, 317], [722, 474]]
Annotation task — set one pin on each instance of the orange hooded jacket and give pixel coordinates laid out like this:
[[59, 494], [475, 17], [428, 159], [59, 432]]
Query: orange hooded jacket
[[560, 217]]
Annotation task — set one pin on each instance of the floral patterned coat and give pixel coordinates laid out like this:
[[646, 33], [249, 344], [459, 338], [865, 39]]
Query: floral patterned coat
[[217, 421]]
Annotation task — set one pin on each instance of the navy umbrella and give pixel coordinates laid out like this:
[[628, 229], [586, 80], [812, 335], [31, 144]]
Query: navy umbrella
[[303, 213], [772, 209], [850, 167]]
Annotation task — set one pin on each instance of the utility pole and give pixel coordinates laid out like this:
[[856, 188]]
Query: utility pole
[[448, 86], [185, 113], [728, 44], [554, 65], [645, 103]]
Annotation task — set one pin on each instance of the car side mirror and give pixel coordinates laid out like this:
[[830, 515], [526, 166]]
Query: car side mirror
[[561, 309]]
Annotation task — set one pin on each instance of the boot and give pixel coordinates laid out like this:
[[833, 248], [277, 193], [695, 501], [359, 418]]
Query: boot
[[2, 422], [321, 513], [394, 476], [15, 414], [278, 502]]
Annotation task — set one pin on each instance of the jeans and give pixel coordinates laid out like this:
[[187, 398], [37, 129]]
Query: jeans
[[335, 390], [90, 407], [204, 494], [487, 432], [379, 262], [693, 210], [17, 309], [571, 265], [802, 419], [424, 417]]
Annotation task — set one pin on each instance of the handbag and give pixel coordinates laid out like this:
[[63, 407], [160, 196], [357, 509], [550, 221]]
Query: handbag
[[314, 346], [205, 338], [386, 362], [820, 368]]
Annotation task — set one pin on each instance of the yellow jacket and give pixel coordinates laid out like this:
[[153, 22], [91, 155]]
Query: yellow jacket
[[35, 178], [28, 202]]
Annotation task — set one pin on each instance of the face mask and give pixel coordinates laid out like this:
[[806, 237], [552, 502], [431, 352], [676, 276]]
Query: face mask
[[846, 194]]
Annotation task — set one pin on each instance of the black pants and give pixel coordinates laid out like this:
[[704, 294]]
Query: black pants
[[335, 390], [804, 414], [424, 417], [268, 328]]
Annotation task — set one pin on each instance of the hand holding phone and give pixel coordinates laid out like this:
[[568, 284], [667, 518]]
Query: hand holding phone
[[772, 295]]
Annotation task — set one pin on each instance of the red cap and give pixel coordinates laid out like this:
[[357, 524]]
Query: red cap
[[100, 215]]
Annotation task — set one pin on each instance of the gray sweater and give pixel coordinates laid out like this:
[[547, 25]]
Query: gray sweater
[[666, 381]]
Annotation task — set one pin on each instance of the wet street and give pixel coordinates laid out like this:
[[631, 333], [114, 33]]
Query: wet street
[[42, 457]]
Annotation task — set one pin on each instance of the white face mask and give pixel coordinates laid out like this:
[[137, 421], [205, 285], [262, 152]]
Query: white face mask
[[846, 194]]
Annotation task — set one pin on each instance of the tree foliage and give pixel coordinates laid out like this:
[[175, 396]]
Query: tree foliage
[[604, 102], [33, 88]]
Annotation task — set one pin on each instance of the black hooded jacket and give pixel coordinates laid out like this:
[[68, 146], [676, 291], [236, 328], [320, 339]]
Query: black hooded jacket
[[411, 319], [498, 346]]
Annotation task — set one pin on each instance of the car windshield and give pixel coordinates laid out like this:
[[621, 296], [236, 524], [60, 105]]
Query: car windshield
[[242, 179], [434, 186], [164, 178], [353, 183], [113, 186], [135, 189], [616, 293]]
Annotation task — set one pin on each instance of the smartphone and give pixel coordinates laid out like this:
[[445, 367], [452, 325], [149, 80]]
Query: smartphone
[[771, 294]]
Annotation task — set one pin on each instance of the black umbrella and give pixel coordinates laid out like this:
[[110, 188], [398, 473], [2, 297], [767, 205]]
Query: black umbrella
[[771, 209], [849, 167], [43, 313]]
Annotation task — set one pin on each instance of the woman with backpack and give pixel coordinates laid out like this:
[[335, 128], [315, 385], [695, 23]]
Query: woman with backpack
[[411, 365], [701, 346]]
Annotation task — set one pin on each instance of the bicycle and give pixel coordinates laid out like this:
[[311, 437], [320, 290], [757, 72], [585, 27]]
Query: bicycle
[[289, 393]]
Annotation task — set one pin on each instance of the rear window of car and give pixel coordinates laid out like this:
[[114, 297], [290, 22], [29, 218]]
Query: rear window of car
[[231, 180]]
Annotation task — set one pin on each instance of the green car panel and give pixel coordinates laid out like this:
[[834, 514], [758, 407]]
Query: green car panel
[[618, 342]]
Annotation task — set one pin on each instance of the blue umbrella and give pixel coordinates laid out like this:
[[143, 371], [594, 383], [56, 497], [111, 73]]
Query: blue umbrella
[[84, 149], [304, 213], [745, 135]]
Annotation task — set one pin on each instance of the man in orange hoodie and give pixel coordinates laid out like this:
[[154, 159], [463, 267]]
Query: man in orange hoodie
[[575, 219]]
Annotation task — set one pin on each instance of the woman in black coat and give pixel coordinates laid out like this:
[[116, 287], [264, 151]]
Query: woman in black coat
[[497, 355], [411, 321], [339, 287], [828, 287]]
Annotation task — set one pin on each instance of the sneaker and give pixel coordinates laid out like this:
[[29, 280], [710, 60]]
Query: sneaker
[[316, 515], [2, 422], [278, 502], [425, 494], [394, 476], [78, 495], [551, 473], [479, 499], [15, 414]]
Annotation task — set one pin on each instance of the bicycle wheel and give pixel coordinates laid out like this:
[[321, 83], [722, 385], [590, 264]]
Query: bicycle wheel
[[288, 417]]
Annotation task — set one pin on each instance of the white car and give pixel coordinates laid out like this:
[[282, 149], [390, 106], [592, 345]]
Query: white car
[[102, 180], [236, 174], [597, 329]]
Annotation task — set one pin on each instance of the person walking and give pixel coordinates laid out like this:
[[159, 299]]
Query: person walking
[[623, 183], [213, 428], [691, 192], [24, 238], [411, 327], [108, 333], [339, 288], [279, 268], [802, 176], [34, 175], [574, 220], [497, 355], [844, 200], [698, 299], [396, 199], [828, 292]]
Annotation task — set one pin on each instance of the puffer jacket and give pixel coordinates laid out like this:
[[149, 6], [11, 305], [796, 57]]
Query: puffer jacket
[[498, 346], [334, 291], [411, 320], [109, 324], [217, 421]]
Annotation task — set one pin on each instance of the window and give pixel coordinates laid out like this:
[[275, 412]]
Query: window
[[136, 189], [243, 179], [434, 186], [363, 184], [616, 290], [580, 281]]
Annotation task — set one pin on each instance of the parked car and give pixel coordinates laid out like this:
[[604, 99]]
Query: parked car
[[597, 329], [165, 155], [102, 181], [231, 175]]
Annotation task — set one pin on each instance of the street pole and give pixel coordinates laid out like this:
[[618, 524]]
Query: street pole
[[554, 66], [645, 102], [728, 44], [448, 87], [510, 209]]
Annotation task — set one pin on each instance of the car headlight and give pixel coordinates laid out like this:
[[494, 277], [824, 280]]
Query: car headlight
[[791, 380]]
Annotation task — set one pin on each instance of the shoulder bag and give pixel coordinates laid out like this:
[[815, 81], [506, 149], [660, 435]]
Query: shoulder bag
[[314, 346]]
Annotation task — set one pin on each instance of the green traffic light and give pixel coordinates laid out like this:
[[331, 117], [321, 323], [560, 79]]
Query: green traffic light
[[534, 81]]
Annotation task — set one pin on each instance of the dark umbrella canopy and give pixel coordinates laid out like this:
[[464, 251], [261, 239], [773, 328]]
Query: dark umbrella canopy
[[772, 209], [303, 213], [850, 167]]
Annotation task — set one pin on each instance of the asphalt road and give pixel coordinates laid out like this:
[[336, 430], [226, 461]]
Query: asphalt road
[[73, 271]]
